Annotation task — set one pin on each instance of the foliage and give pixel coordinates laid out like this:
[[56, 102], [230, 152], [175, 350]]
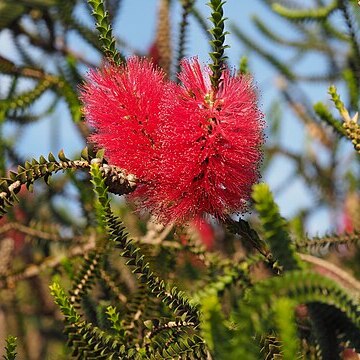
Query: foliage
[[10, 348], [124, 286], [217, 44]]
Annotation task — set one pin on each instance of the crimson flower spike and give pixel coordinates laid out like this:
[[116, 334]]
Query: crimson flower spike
[[194, 153]]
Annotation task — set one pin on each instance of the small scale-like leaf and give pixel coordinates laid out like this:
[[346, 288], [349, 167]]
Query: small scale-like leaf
[[42, 160], [100, 154], [13, 175], [85, 154], [61, 156], [51, 158]]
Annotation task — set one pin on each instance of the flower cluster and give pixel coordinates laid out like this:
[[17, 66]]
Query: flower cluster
[[194, 149]]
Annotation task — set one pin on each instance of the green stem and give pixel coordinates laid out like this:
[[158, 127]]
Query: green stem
[[217, 42], [105, 31]]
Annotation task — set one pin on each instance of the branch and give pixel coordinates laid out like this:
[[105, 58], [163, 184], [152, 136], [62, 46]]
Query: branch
[[116, 179]]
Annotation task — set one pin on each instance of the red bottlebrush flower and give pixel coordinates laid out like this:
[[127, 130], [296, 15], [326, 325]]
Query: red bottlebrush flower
[[196, 151], [210, 146], [122, 104]]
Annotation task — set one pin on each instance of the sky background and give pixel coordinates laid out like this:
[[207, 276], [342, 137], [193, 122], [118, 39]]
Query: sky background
[[137, 25]]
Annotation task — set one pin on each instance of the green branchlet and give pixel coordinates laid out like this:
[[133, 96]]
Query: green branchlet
[[10, 348], [217, 42], [352, 27], [275, 228], [58, 84], [45, 82], [214, 331], [270, 345], [62, 300], [115, 321], [284, 309], [183, 347], [100, 190], [351, 126], [43, 168], [90, 342], [327, 242], [352, 85], [243, 66], [325, 115], [297, 287], [319, 13], [238, 275], [85, 338], [335, 97], [104, 27], [174, 299], [71, 97], [86, 276], [27, 98]]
